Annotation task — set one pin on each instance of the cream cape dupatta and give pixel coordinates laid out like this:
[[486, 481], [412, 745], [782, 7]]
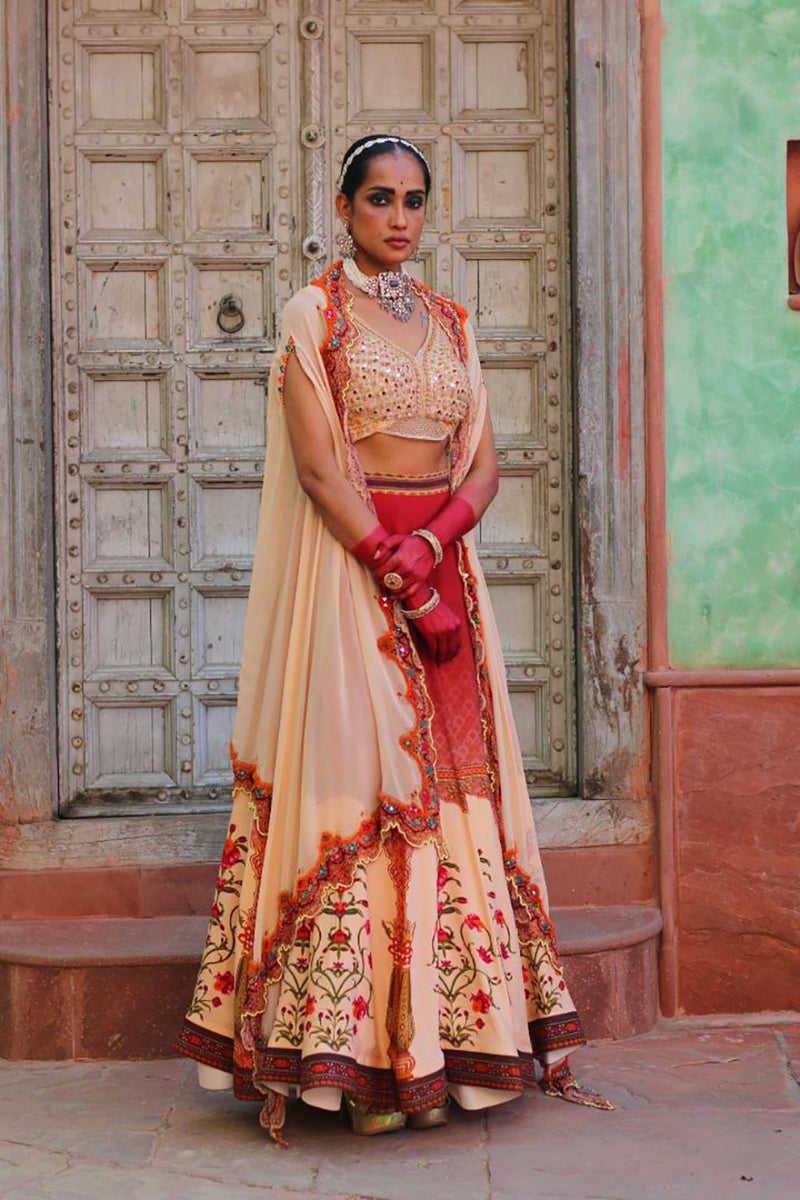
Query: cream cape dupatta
[[331, 737]]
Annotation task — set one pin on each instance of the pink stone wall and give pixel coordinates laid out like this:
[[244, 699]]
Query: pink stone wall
[[737, 869]]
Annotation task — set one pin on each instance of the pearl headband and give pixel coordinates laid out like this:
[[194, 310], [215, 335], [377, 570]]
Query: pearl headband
[[374, 142]]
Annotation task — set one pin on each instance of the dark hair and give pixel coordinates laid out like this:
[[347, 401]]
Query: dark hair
[[357, 171]]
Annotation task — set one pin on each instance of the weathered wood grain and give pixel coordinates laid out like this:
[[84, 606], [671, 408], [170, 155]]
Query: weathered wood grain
[[610, 398], [27, 716]]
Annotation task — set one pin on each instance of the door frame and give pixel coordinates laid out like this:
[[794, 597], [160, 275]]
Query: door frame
[[614, 803]]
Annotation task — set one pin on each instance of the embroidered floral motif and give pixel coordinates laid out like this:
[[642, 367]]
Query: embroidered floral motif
[[417, 821], [542, 989], [259, 799], [335, 865], [466, 954], [326, 990], [531, 919], [222, 926]]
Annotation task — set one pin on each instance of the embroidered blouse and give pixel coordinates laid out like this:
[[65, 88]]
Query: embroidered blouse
[[423, 395]]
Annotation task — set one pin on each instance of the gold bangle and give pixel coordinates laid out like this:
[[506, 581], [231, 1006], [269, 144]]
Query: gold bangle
[[411, 614], [433, 542]]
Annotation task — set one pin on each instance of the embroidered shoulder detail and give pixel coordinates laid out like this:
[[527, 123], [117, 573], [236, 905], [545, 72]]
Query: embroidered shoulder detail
[[288, 349], [337, 330], [451, 316]]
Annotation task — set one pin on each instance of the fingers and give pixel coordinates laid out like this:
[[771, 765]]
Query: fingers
[[411, 557], [392, 563], [406, 592], [386, 550], [412, 582], [399, 560]]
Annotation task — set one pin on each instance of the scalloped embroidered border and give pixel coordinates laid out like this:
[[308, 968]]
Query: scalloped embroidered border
[[338, 857], [529, 901], [259, 796], [484, 686], [454, 316], [397, 645], [526, 892]]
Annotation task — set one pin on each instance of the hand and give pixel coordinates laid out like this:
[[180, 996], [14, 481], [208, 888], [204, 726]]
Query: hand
[[440, 629], [412, 559], [374, 550]]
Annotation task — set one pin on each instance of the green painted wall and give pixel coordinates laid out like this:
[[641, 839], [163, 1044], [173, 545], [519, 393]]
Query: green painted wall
[[730, 101]]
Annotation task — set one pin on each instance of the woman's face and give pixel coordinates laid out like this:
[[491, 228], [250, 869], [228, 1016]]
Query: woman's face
[[388, 210]]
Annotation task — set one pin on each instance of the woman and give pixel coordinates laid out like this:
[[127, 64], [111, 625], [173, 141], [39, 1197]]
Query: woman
[[379, 934]]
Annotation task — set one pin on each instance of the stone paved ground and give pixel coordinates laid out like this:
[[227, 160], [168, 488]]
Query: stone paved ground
[[703, 1113]]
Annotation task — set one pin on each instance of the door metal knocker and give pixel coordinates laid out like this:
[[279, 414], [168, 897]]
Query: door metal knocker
[[230, 314]]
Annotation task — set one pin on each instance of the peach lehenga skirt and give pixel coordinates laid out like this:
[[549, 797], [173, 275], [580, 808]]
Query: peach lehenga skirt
[[484, 1006]]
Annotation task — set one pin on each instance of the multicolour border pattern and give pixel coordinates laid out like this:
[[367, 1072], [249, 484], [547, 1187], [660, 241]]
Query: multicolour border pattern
[[378, 1086]]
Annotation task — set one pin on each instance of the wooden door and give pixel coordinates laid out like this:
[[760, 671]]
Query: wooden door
[[195, 147]]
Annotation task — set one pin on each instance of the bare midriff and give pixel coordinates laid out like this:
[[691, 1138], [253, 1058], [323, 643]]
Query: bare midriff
[[384, 453]]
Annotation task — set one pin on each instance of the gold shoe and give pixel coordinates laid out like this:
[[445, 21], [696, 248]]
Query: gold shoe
[[368, 1123], [426, 1118]]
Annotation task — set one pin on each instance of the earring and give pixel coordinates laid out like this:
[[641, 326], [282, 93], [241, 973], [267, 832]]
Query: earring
[[344, 240], [416, 256]]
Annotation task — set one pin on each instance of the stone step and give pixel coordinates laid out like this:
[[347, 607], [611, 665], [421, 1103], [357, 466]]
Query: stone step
[[118, 987]]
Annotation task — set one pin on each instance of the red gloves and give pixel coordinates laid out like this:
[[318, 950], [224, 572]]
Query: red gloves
[[453, 521], [369, 550], [439, 628], [412, 557]]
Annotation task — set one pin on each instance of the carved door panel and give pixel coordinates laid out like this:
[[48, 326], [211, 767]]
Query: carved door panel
[[195, 146], [174, 164]]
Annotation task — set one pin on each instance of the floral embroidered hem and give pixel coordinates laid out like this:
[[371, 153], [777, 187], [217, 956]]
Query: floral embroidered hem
[[488, 997]]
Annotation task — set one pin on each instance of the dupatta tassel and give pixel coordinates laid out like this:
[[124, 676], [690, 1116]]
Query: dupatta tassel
[[400, 1022], [272, 1117], [399, 1015]]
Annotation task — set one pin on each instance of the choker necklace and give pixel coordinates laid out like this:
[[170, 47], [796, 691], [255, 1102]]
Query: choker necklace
[[392, 289]]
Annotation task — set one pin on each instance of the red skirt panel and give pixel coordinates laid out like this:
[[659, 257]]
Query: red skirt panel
[[404, 503]]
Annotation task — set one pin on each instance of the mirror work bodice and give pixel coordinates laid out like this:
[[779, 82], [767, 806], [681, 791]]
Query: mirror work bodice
[[423, 395]]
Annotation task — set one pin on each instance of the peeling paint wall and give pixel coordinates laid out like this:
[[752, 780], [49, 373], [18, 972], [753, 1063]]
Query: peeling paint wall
[[730, 102]]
